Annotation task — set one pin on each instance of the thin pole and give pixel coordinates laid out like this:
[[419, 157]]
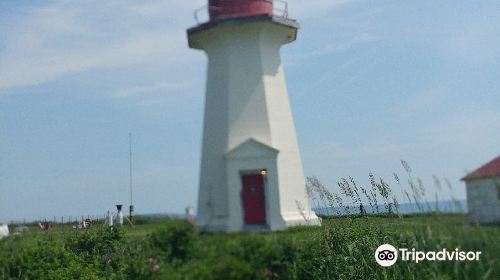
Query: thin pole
[[131, 182]]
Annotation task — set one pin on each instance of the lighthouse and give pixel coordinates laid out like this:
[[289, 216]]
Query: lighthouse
[[251, 174]]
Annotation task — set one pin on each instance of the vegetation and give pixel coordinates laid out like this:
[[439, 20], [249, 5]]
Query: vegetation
[[342, 247]]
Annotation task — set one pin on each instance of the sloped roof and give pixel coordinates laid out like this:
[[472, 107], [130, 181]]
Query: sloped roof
[[252, 148], [491, 169]]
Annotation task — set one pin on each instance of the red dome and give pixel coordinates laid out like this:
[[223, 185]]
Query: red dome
[[239, 8]]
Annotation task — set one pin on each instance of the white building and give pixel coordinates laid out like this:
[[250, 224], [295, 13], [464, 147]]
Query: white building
[[251, 171], [4, 231], [483, 193]]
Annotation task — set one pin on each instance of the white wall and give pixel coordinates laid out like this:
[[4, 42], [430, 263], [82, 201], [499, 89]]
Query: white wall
[[483, 202], [246, 98]]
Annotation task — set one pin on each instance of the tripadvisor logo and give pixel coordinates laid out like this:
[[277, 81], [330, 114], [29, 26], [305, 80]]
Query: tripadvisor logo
[[386, 255]]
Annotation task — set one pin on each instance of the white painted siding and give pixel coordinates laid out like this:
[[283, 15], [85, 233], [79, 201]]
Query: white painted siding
[[483, 201], [246, 98]]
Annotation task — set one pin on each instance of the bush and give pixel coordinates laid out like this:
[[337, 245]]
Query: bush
[[42, 259], [95, 242], [174, 241]]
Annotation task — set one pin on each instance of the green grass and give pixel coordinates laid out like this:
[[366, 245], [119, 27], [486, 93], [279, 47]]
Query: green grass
[[342, 248]]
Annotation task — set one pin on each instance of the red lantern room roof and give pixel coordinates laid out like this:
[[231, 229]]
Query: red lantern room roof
[[233, 12], [491, 169], [220, 9]]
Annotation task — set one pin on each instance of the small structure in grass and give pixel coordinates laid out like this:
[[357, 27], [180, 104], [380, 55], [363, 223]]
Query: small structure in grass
[[4, 231], [483, 193]]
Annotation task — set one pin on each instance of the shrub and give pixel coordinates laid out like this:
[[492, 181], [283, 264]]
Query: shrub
[[174, 241], [42, 259], [99, 241]]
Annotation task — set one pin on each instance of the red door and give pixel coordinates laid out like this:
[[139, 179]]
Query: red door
[[254, 200]]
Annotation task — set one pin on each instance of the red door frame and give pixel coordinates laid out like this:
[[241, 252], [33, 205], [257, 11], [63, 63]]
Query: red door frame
[[253, 197]]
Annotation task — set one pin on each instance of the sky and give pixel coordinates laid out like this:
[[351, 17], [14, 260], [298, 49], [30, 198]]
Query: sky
[[370, 83]]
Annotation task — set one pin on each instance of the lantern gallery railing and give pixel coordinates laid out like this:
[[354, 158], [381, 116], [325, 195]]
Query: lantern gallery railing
[[202, 14], [280, 10]]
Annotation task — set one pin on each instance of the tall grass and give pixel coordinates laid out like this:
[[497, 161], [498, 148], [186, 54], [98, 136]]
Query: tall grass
[[379, 197]]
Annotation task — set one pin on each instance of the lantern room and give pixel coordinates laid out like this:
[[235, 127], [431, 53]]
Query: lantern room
[[220, 9]]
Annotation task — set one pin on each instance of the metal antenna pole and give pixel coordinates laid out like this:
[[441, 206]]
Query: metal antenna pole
[[131, 210]]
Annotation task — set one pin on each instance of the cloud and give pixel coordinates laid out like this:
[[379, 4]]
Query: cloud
[[477, 130], [42, 44], [301, 9], [374, 148], [333, 27], [48, 64], [423, 102], [154, 88], [46, 42], [345, 45]]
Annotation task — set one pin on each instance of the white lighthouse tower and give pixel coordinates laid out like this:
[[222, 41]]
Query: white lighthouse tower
[[251, 172]]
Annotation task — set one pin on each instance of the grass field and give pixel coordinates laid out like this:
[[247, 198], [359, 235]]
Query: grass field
[[342, 248]]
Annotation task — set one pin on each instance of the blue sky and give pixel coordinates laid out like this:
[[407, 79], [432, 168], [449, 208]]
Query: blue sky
[[370, 82]]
